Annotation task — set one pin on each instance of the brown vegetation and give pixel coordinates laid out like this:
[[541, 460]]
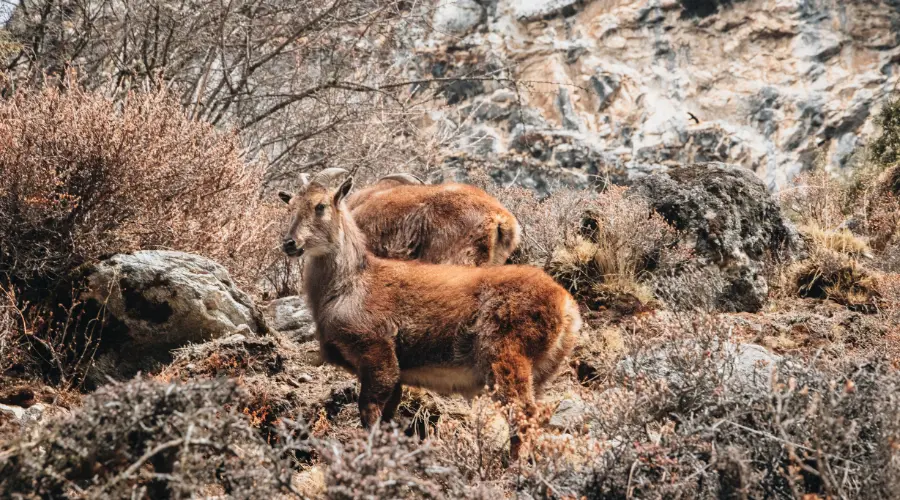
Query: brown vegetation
[[82, 177], [660, 404]]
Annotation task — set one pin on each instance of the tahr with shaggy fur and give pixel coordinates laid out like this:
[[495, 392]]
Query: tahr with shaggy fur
[[404, 218], [447, 328]]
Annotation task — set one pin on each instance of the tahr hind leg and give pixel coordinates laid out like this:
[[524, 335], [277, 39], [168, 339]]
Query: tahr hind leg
[[513, 378]]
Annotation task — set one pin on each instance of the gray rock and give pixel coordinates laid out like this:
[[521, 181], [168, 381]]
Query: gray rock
[[291, 316], [570, 414], [570, 119], [457, 16], [731, 221], [23, 416], [606, 86], [740, 367], [162, 300]]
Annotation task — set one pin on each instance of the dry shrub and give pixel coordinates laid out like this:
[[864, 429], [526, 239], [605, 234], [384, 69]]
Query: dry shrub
[[687, 418], [850, 229], [817, 199], [57, 344], [82, 177], [11, 348], [620, 241], [388, 465], [827, 274], [883, 221], [147, 439], [889, 306]]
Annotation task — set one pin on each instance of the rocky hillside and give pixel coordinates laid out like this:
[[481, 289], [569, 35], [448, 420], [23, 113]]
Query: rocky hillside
[[738, 340], [607, 86]]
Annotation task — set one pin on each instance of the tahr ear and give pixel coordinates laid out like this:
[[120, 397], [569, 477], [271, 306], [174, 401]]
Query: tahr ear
[[285, 196], [342, 191], [304, 180]]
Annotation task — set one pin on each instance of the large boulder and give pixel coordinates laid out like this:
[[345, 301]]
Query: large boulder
[[162, 300], [730, 221]]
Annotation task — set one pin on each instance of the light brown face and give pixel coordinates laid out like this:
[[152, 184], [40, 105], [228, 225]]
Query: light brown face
[[315, 224]]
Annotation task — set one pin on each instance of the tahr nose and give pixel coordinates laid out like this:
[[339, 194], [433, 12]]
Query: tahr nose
[[289, 246]]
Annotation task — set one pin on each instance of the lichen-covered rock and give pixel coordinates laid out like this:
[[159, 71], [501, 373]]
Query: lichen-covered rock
[[570, 414], [161, 300], [729, 220]]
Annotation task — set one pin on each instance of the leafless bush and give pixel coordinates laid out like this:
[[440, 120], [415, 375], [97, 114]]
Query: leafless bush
[[388, 465], [61, 352], [11, 348], [688, 285], [684, 421], [146, 439], [82, 177], [305, 82], [817, 199]]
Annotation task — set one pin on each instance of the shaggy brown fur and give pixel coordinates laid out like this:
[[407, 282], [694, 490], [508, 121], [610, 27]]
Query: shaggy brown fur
[[403, 218], [451, 329]]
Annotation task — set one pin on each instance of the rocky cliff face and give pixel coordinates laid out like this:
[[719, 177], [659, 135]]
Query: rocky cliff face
[[613, 87]]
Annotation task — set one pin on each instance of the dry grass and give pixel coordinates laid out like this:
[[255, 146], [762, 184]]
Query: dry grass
[[850, 228], [621, 239], [826, 274]]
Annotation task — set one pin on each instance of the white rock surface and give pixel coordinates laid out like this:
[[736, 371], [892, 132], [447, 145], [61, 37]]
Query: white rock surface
[[633, 84], [457, 16], [530, 10], [162, 300]]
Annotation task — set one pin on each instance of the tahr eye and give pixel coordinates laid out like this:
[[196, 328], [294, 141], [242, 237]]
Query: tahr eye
[[320, 209]]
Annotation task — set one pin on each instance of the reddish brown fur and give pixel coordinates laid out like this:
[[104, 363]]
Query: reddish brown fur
[[440, 224], [452, 329]]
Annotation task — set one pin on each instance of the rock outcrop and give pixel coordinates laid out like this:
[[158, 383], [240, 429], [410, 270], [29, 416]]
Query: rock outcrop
[[729, 220], [630, 85], [161, 300]]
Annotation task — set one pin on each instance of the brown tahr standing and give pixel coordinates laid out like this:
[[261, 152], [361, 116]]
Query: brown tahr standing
[[404, 218], [447, 328]]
